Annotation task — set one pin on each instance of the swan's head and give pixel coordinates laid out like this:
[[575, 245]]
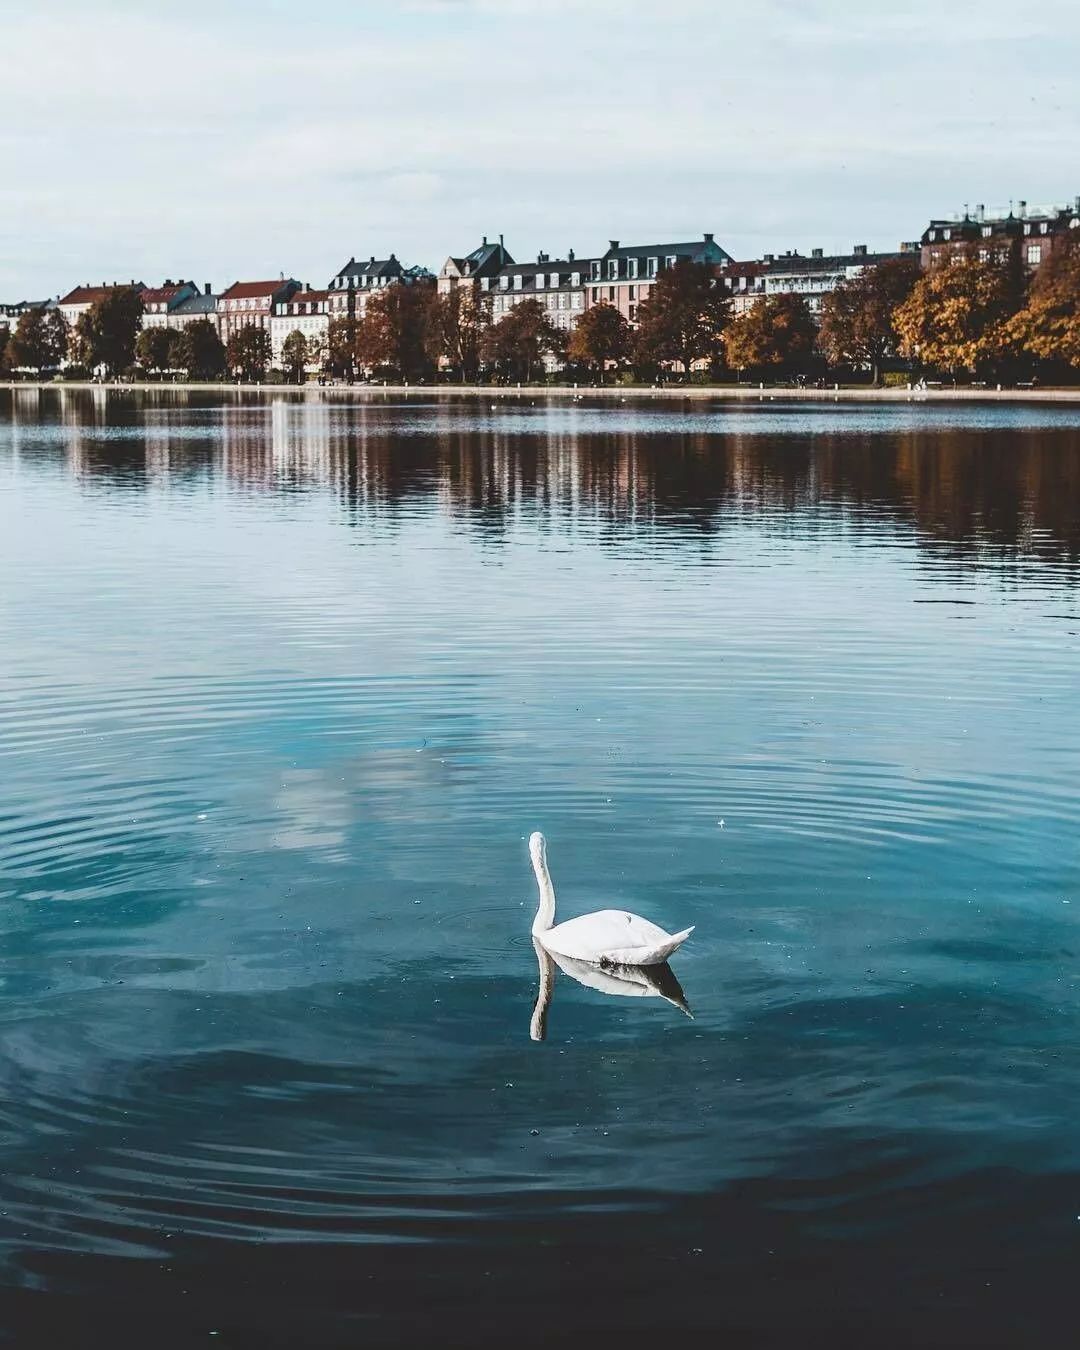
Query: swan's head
[[537, 849]]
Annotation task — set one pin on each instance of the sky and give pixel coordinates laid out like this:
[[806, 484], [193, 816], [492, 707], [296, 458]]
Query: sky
[[240, 139]]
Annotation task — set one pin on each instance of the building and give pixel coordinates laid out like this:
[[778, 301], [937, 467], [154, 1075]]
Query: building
[[625, 275], [201, 305], [482, 263], [10, 314], [75, 304], [743, 281], [251, 303], [793, 273], [160, 301], [558, 284], [991, 234], [307, 312], [349, 290]]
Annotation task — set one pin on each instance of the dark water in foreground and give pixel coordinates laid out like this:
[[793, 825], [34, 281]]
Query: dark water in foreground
[[284, 688]]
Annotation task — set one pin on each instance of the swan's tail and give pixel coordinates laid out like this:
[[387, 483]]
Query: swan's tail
[[650, 956]]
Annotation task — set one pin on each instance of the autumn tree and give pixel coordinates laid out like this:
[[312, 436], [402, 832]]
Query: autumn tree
[[340, 353], [392, 335], [683, 318], [107, 331], [5, 342], [1048, 326], [518, 343], [248, 353], [600, 335], [457, 323], [957, 316], [294, 356], [857, 317], [777, 333], [199, 351]]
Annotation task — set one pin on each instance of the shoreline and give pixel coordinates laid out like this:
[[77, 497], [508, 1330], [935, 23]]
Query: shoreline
[[719, 392]]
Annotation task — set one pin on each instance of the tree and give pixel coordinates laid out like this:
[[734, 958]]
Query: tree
[[457, 322], [341, 348], [956, 317], [517, 344], [294, 355], [199, 351], [108, 329], [684, 317], [316, 352], [600, 335], [154, 348], [393, 332], [5, 342], [857, 318], [248, 353], [776, 333], [1048, 326], [39, 340]]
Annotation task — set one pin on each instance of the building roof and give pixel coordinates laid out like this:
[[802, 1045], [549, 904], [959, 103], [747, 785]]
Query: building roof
[[372, 267], [247, 290], [154, 295], [305, 297], [88, 295], [197, 304], [834, 262], [695, 248]]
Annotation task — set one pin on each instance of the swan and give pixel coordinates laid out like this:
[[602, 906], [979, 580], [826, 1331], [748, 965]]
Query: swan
[[610, 937], [617, 981]]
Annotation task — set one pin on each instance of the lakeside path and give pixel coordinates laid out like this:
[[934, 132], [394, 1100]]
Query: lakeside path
[[615, 393]]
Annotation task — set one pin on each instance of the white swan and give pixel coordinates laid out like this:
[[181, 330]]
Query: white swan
[[610, 937]]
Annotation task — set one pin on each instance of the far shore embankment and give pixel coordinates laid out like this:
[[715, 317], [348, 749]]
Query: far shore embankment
[[613, 393]]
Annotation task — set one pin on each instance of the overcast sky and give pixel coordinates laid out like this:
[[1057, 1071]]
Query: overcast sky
[[244, 138]]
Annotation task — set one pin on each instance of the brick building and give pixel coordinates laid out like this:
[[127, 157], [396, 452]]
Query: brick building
[[251, 302]]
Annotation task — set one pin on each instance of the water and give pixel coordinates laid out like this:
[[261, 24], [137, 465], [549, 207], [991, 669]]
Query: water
[[285, 685]]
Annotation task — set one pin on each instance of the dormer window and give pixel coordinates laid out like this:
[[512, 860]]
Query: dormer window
[[596, 271], [654, 266], [517, 281], [670, 260], [485, 283], [575, 277], [987, 230], [553, 280], [946, 234], [1074, 224], [504, 283], [613, 268], [1027, 229], [631, 264], [539, 281], [1043, 228]]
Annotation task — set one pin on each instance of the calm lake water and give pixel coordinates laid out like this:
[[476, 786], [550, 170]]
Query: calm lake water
[[284, 687]]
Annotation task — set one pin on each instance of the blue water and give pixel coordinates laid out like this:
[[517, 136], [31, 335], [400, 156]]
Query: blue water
[[284, 687]]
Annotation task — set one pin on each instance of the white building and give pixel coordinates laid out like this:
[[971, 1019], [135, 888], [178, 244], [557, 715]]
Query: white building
[[306, 312]]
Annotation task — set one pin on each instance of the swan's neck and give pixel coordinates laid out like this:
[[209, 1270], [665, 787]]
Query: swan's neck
[[545, 915]]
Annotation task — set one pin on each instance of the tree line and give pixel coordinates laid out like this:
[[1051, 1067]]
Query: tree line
[[973, 315]]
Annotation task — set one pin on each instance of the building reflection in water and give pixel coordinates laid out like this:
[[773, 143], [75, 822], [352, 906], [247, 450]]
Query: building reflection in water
[[972, 482]]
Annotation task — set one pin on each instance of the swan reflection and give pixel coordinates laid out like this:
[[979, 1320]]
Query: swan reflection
[[618, 981]]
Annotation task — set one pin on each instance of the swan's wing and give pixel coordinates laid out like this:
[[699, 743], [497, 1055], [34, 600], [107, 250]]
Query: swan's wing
[[613, 936]]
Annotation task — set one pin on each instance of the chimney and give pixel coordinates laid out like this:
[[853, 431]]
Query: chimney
[[570, 253], [613, 243], [1021, 209], [980, 211], [770, 257], [208, 288], [817, 253], [860, 250], [484, 243], [708, 238]]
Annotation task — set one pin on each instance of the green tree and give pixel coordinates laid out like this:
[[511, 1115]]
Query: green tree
[[1048, 326], [199, 351], [857, 326], [777, 333], [601, 335], [393, 333], [35, 342], [294, 355], [516, 346], [341, 348], [248, 353], [957, 316], [457, 323], [154, 349], [107, 331], [683, 318]]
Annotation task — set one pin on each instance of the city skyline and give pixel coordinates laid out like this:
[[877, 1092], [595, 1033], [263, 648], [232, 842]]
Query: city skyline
[[224, 146]]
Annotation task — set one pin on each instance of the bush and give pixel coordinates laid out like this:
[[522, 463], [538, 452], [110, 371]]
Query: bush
[[74, 372], [896, 379]]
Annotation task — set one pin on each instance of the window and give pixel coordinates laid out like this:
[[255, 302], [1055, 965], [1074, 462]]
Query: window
[[539, 281], [984, 255], [577, 298], [631, 265], [932, 235], [504, 283], [633, 313], [595, 294], [517, 282], [596, 271], [631, 292], [1027, 229], [563, 297], [654, 264], [611, 294], [1034, 254], [987, 230], [575, 278], [553, 280], [946, 234], [670, 260], [612, 268], [1043, 227]]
